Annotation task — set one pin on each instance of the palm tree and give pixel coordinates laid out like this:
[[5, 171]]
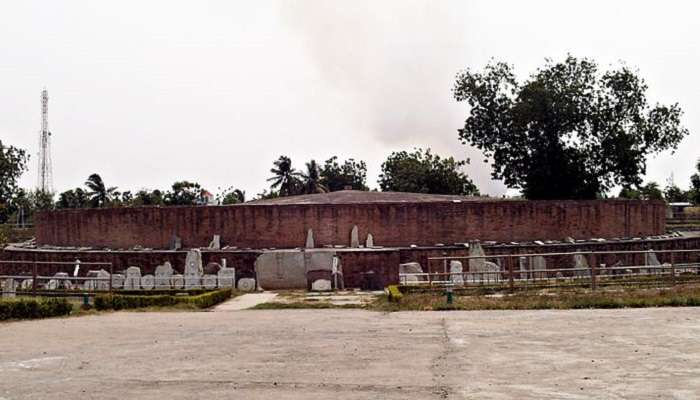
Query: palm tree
[[285, 177], [100, 195], [312, 181]]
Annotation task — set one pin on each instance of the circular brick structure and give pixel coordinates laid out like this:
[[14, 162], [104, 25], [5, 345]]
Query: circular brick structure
[[393, 219]]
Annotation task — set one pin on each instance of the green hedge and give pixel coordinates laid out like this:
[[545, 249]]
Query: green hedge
[[33, 308], [395, 294], [120, 301]]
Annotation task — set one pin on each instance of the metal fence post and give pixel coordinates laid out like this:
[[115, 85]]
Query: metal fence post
[[593, 271], [34, 283], [673, 269], [509, 264], [111, 276]]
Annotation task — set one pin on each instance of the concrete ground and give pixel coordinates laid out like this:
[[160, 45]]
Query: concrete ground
[[355, 354]]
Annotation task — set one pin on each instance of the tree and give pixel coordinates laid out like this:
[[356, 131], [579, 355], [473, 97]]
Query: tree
[[285, 178], [13, 162], [100, 195], [694, 193], [184, 193], [75, 198], [145, 197], [674, 194], [567, 132], [423, 172], [350, 173], [231, 196], [650, 191], [312, 182]]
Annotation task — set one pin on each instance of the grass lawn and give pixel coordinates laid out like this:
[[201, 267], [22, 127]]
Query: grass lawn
[[686, 295]]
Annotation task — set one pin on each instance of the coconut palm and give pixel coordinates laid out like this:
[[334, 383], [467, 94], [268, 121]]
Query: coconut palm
[[100, 195], [311, 180], [285, 177]]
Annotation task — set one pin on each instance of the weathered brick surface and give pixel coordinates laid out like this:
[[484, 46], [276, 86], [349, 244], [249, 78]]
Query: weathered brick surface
[[391, 224]]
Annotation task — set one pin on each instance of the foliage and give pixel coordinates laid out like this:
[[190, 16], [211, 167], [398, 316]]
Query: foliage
[[184, 193], [694, 193], [650, 191], [33, 308], [100, 195], [567, 132], [73, 198], [350, 173], [674, 194], [13, 162], [284, 178], [231, 196], [311, 180], [145, 197], [265, 195], [121, 301], [423, 172]]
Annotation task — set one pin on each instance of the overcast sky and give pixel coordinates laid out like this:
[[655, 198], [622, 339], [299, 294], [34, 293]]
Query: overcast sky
[[149, 92]]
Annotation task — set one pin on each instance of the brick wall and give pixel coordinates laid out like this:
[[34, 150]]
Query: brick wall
[[391, 224]]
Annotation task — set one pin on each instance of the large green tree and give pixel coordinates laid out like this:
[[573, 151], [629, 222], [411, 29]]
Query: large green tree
[[184, 193], [73, 198], [311, 180], [421, 171], [569, 131], [13, 162], [350, 173], [100, 195], [285, 179], [695, 185]]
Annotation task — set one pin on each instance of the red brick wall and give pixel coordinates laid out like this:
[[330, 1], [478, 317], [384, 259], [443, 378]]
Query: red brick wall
[[397, 224]]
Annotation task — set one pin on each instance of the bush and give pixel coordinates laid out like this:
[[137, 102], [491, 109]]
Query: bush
[[33, 308], [121, 301], [395, 294]]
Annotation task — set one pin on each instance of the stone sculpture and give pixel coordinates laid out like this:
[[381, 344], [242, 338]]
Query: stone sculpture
[[246, 284], [369, 243], [456, 268], [226, 277], [321, 285], [215, 242], [118, 281], [411, 268], [178, 281], [309, 239], [175, 243], [9, 288], [209, 281], [132, 281], [354, 237], [523, 267], [59, 282], [147, 282], [650, 259], [539, 263], [163, 275], [27, 284], [193, 269], [581, 262]]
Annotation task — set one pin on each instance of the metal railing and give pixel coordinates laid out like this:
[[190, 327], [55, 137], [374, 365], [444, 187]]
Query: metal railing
[[40, 281], [589, 272]]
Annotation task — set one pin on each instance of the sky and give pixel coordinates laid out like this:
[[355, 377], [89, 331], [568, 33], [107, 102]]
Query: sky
[[146, 93]]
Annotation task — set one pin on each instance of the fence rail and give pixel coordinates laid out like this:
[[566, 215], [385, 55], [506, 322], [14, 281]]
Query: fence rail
[[588, 271], [40, 281]]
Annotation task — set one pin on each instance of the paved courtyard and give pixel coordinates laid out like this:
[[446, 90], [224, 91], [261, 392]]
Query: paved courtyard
[[355, 354]]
